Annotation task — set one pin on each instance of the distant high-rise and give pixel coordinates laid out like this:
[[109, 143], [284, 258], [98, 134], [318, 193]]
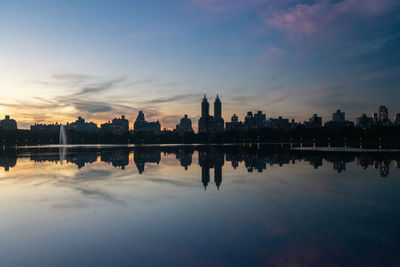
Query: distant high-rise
[[249, 121], [260, 119], [338, 116], [364, 121], [235, 124], [375, 118], [279, 123], [234, 118], [383, 115], [314, 121]]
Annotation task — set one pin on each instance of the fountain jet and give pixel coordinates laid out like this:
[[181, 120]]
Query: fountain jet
[[63, 143]]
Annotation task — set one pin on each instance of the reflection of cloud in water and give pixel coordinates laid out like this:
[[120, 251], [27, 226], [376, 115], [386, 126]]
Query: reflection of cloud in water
[[93, 175], [171, 182], [98, 194]]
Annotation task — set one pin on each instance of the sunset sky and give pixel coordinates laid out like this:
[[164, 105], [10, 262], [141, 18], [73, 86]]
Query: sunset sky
[[100, 59]]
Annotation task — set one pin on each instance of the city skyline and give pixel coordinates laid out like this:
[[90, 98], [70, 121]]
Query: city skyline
[[209, 124], [100, 60]]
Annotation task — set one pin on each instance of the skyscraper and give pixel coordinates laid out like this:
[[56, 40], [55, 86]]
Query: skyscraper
[[383, 115], [205, 116], [205, 108], [218, 120], [217, 108]]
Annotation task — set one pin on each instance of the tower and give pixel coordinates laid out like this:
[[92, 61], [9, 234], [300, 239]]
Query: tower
[[205, 108], [217, 108], [218, 120]]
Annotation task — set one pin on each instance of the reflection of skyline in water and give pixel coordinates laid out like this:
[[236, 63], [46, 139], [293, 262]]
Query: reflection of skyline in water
[[124, 197], [210, 158]]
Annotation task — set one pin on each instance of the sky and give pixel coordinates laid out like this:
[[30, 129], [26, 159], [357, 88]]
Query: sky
[[100, 59]]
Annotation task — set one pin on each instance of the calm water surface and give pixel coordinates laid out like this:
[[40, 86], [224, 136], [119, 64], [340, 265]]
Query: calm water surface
[[198, 206]]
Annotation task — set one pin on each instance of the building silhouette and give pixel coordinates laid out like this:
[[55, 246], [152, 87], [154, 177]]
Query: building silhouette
[[397, 119], [119, 158], [375, 118], [234, 124], [141, 125], [146, 155], [338, 120], [314, 122], [184, 157], [256, 121], [338, 116], [184, 126], [249, 121], [118, 126], [80, 125], [49, 128], [383, 116], [8, 124], [279, 123], [364, 121], [207, 123]]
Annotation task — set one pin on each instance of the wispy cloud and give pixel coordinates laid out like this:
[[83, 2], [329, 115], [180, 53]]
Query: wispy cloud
[[188, 97], [228, 5], [86, 99], [280, 99], [309, 19], [99, 87], [273, 52]]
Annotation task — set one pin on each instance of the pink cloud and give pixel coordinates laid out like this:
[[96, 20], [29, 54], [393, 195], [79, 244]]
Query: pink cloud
[[228, 5], [304, 19], [273, 52], [280, 99]]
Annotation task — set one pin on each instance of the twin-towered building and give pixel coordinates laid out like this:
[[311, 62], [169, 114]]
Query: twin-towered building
[[208, 123]]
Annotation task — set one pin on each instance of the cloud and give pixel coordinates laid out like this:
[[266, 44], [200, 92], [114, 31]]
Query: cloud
[[96, 88], [273, 52], [93, 175], [174, 98], [170, 120], [70, 76], [97, 194], [228, 5], [168, 181], [87, 100], [309, 19], [280, 99], [92, 107]]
